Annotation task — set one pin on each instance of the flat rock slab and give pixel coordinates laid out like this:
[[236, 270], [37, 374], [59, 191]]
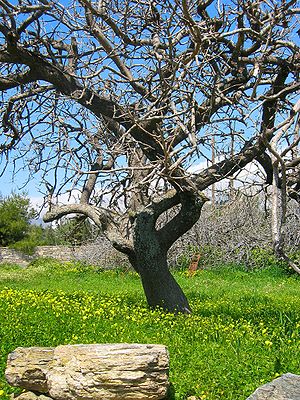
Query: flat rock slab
[[286, 387], [92, 372]]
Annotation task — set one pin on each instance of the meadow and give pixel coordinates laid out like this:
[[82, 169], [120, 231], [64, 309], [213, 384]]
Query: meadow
[[244, 330]]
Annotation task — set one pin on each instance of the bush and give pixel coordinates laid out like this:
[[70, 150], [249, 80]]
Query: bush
[[210, 256], [237, 232], [263, 258], [25, 246], [15, 216], [249, 259]]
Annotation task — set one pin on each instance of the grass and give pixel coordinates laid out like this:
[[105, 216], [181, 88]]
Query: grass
[[244, 330]]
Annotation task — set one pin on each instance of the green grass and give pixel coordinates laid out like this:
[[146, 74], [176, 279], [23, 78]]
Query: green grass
[[244, 330]]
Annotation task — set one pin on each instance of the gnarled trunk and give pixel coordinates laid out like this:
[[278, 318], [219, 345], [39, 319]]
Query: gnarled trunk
[[160, 287], [151, 245], [146, 244]]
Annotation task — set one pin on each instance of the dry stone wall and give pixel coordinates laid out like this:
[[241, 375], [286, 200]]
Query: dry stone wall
[[12, 256], [100, 253]]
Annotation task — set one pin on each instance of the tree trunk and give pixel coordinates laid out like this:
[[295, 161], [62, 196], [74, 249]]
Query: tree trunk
[[160, 287], [150, 261]]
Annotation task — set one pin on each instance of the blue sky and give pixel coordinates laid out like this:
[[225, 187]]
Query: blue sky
[[10, 182]]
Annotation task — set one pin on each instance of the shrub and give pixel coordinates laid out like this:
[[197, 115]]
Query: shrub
[[263, 258], [15, 216], [25, 246]]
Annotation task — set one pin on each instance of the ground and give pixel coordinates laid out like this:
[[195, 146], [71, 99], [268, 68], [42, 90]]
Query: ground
[[243, 332]]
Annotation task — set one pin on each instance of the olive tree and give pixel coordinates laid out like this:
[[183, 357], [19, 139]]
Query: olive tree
[[122, 101]]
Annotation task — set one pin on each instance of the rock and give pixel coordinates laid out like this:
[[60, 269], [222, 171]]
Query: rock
[[26, 396], [27, 367], [287, 387], [92, 372]]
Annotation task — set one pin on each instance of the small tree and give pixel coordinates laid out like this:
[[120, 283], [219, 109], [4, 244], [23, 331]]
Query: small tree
[[15, 216]]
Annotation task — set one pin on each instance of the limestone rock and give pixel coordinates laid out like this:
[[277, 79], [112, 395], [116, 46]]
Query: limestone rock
[[286, 387], [27, 367], [92, 372], [25, 396]]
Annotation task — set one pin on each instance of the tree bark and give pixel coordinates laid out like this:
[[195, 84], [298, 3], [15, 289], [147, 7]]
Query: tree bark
[[151, 246], [160, 287]]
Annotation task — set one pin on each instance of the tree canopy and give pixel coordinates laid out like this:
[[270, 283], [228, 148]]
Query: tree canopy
[[15, 216], [142, 105]]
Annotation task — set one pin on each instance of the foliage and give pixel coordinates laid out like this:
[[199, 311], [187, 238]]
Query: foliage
[[244, 330], [70, 232], [17, 232], [210, 256], [39, 235], [264, 258], [74, 231], [15, 216], [25, 246]]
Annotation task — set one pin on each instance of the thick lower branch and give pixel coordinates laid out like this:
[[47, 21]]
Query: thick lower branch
[[187, 216], [98, 215], [165, 202], [104, 219]]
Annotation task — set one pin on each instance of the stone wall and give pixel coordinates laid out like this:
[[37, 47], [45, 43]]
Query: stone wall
[[12, 256], [62, 253], [100, 253]]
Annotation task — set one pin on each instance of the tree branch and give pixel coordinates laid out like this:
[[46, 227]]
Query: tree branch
[[187, 216], [112, 53], [99, 215], [15, 80]]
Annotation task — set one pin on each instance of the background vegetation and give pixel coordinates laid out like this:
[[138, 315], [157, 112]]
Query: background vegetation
[[244, 330], [15, 216], [236, 230], [19, 230]]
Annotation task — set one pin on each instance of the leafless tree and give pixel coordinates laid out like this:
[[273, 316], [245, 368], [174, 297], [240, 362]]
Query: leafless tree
[[280, 167], [238, 231], [120, 99]]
